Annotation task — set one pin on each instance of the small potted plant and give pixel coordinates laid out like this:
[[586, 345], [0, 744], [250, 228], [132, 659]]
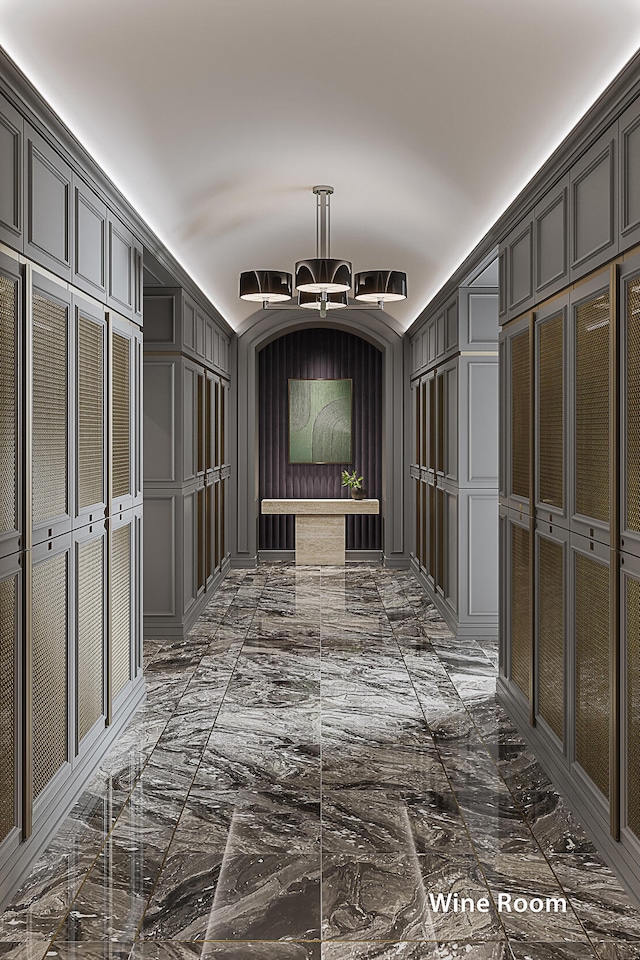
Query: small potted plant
[[355, 485]]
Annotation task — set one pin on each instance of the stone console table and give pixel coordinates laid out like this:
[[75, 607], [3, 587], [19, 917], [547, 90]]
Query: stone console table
[[320, 526]]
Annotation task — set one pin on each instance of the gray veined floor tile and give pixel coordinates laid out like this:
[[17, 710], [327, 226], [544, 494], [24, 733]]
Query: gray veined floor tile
[[320, 758], [562, 950], [35, 950], [243, 897], [69, 950]]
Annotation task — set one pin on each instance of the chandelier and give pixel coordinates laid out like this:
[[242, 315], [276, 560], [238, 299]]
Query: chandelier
[[323, 282]]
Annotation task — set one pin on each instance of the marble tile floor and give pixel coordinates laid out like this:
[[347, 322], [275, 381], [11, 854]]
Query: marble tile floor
[[312, 766]]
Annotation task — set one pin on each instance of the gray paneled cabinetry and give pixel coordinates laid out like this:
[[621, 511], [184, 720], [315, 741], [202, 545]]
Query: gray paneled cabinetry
[[455, 462], [70, 601], [589, 215], [186, 393], [570, 572], [53, 216]]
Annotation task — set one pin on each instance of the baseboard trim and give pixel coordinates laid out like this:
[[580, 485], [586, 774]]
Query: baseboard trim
[[155, 629], [289, 556], [462, 630]]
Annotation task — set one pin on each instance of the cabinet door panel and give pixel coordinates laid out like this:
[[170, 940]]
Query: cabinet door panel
[[10, 738], [551, 239], [121, 267], [52, 435], [10, 434], [520, 268], [629, 150], [11, 140], [593, 207], [90, 257], [49, 221]]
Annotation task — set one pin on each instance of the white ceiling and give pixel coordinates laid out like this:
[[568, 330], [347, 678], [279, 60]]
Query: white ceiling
[[216, 117]]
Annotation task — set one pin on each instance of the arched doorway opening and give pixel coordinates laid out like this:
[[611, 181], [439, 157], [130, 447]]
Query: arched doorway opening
[[259, 331]]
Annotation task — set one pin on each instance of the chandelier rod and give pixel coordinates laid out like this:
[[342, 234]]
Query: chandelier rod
[[323, 220]]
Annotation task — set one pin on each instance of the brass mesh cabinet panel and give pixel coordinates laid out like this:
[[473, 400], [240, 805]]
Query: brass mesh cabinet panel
[[49, 698], [520, 608], [90, 413], [633, 704], [121, 608], [8, 691], [121, 399], [8, 404], [50, 409], [520, 414], [633, 407], [551, 412], [593, 703], [592, 408], [90, 626], [551, 634]]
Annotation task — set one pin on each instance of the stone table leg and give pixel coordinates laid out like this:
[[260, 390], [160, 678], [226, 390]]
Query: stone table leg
[[320, 539]]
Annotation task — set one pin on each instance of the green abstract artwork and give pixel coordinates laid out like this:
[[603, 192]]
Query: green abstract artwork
[[319, 421]]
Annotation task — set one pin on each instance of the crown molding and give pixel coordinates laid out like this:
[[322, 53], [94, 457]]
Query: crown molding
[[615, 99], [28, 101]]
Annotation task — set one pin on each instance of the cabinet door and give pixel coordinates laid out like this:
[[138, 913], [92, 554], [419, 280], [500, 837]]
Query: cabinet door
[[629, 158], [519, 386], [518, 637], [629, 301], [53, 430], [122, 626], [51, 727], [592, 658], [121, 267], [91, 411], [123, 414], [630, 623], [10, 408], [90, 581], [90, 248], [502, 283], [519, 263], [11, 639], [550, 626], [551, 220], [138, 281], [11, 145], [590, 333], [551, 411], [49, 217], [593, 206]]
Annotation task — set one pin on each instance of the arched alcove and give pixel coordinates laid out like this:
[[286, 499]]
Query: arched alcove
[[258, 331]]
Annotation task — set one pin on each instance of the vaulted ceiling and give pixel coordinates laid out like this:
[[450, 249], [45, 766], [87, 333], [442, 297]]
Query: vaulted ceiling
[[216, 117]]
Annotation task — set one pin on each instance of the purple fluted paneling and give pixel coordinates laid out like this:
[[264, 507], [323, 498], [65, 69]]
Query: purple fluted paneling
[[317, 354]]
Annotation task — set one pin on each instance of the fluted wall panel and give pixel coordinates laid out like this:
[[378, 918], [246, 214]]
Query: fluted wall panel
[[319, 354]]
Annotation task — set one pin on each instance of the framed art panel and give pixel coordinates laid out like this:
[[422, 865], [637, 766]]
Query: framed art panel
[[319, 421]]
